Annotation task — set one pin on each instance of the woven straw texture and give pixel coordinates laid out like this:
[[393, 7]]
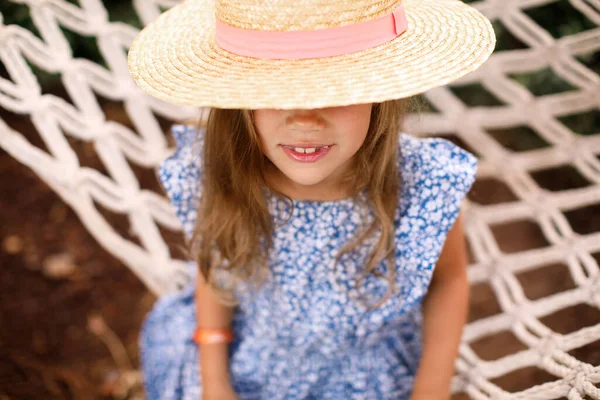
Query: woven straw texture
[[285, 15], [507, 204], [176, 59]]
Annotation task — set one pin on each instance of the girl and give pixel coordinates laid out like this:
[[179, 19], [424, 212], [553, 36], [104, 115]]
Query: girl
[[329, 247]]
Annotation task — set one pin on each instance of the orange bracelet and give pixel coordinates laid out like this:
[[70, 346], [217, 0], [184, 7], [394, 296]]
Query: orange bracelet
[[210, 336]]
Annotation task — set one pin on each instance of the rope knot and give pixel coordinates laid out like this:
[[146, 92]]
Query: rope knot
[[579, 382], [548, 345]]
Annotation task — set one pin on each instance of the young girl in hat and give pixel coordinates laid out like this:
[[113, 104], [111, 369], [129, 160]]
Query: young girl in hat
[[329, 246]]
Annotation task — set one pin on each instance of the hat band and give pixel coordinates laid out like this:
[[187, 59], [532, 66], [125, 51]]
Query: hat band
[[295, 45]]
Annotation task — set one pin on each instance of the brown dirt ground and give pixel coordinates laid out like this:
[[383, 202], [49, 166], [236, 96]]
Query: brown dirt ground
[[56, 323], [46, 348], [65, 301]]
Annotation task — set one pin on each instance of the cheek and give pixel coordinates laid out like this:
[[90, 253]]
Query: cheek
[[266, 125], [361, 115], [356, 124], [356, 137], [267, 144]]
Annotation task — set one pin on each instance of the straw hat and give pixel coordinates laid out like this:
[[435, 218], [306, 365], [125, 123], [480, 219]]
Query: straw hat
[[306, 53]]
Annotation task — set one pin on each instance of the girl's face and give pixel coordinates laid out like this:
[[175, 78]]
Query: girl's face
[[312, 148]]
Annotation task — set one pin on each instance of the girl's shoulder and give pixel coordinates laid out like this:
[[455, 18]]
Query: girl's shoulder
[[436, 175], [435, 160], [180, 173]]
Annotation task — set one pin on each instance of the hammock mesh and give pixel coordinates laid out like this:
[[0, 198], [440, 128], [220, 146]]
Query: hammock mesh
[[534, 209]]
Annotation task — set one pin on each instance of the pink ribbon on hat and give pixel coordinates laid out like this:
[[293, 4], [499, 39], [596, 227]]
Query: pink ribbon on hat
[[297, 45]]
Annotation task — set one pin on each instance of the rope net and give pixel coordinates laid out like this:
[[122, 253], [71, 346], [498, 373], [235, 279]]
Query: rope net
[[521, 217]]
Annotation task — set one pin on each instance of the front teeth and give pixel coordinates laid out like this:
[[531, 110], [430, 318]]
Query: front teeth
[[308, 150], [305, 151]]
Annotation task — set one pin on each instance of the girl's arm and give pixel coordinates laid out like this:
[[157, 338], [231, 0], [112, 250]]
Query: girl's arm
[[445, 311], [214, 358]]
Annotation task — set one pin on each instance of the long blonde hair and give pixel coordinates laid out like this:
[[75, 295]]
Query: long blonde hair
[[233, 211]]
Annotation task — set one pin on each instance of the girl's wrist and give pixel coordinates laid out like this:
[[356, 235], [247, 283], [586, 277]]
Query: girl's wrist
[[214, 364], [215, 380], [429, 394]]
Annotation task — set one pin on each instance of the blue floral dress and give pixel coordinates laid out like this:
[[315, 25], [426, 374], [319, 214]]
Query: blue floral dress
[[304, 335]]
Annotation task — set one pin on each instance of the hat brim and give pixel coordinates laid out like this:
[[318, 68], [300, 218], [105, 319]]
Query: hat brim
[[176, 59]]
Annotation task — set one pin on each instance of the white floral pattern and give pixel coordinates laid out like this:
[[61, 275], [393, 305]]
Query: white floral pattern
[[305, 335]]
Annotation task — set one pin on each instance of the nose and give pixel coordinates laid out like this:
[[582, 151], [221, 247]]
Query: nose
[[305, 121]]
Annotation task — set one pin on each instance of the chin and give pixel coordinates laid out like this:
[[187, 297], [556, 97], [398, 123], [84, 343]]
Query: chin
[[305, 179]]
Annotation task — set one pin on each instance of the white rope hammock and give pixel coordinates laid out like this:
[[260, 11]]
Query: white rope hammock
[[119, 191]]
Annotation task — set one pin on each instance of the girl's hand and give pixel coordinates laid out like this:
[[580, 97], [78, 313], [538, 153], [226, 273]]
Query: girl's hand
[[221, 392]]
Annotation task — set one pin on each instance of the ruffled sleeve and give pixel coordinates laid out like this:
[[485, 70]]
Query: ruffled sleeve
[[436, 176], [181, 174], [439, 174]]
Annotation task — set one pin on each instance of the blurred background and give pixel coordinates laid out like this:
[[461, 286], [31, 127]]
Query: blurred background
[[72, 301]]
